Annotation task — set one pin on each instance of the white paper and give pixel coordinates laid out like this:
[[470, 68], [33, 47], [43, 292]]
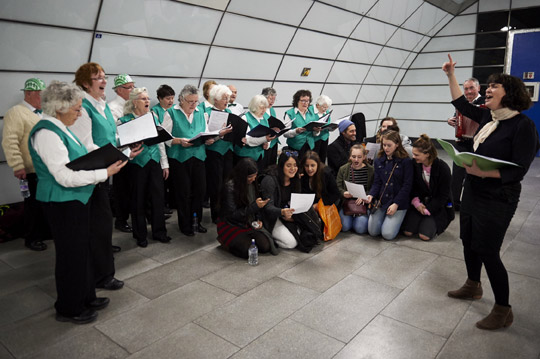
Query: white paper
[[137, 130], [373, 149], [301, 202], [356, 190], [217, 120], [213, 133]]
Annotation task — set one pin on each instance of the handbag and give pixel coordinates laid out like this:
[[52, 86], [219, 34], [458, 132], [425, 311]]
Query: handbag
[[331, 219], [349, 206]]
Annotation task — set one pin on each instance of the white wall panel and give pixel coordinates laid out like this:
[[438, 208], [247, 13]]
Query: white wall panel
[[463, 42], [286, 90], [329, 19], [394, 11], [465, 24], [421, 111], [161, 18], [348, 73], [441, 24], [420, 46], [246, 89], [292, 66], [405, 39], [493, 5], [138, 56], [516, 4], [341, 93], [310, 43], [371, 93], [433, 76], [373, 31], [434, 129], [10, 191], [360, 7], [241, 64], [399, 76], [423, 94], [24, 45], [473, 9], [79, 14], [436, 59], [359, 51], [283, 11], [392, 57], [381, 75], [425, 19], [245, 32], [370, 110]]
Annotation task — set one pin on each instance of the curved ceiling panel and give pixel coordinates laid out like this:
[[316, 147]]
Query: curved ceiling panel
[[373, 31], [310, 43], [283, 11], [425, 19], [394, 11], [241, 64], [329, 19], [359, 51], [292, 67]]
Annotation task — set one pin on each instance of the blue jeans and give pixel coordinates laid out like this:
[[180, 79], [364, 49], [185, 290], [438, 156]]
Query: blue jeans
[[358, 223], [380, 223]]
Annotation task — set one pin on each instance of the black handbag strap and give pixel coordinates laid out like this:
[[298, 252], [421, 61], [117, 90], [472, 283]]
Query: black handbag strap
[[386, 185]]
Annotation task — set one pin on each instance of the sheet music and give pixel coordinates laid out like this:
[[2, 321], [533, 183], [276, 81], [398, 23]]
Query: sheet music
[[373, 149], [301, 202], [217, 120], [356, 190], [137, 130]]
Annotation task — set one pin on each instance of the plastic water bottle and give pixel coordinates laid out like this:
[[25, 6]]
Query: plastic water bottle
[[253, 254], [195, 224], [23, 185]]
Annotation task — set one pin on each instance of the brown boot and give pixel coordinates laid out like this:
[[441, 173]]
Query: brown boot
[[469, 290], [500, 317]]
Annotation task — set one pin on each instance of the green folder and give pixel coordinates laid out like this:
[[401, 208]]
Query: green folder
[[466, 158]]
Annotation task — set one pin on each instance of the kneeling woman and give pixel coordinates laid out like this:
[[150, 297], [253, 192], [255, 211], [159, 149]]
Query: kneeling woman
[[240, 212], [65, 195], [391, 187], [430, 192]]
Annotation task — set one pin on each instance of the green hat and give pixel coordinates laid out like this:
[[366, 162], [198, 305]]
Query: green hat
[[34, 84], [122, 79]]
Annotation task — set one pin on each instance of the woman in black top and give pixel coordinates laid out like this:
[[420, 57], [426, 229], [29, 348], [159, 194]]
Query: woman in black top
[[430, 193], [490, 198], [317, 178]]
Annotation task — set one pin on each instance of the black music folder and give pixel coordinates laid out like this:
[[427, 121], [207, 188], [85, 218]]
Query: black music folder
[[163, 135], [103, 157]]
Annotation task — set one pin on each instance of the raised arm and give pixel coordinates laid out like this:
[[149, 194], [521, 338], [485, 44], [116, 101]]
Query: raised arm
[[448, 68]]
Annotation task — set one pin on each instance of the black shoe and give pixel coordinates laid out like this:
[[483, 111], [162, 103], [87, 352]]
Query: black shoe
[[87, 316], [99, 303], [116, 249], [201, 229], [188, 233], [167, 216], [142, 244], [113, 284], [37, 246], [123, 227], [167, 239]]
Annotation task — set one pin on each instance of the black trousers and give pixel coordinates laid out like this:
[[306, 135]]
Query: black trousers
[[321, 147], [218, 168], [459, 173], [148, 188], [270, 156], [35, 223], [188, 180], [74, 275], [101, 227], [121, 191], [302, 151]]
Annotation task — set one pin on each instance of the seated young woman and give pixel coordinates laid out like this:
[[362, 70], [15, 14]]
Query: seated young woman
[[430, 192], [359, 172], [240, 211], [317, 178]]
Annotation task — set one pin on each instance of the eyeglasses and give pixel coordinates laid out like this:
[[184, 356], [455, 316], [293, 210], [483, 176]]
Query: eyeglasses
[[191, 102], [128, 87], [305, 101], [104, 78], [291, 153]]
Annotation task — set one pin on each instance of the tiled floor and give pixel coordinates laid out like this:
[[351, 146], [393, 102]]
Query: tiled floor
[[354, 297]]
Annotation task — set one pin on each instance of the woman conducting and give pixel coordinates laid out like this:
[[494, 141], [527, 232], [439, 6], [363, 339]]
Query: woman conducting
[[66, 197], [490, 198]]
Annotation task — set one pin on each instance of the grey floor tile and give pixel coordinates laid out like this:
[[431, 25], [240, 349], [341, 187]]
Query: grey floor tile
[[364, 245], [147, 323], [21, 304], [89, 345], [524, 296], [131, 263], [240, 277], [396, 266], [24, 277], [255, 312], [173, 275], [523, 258], [188, 342], [4, 354], [289, 340], [343, 310], [16, 255], [467, 341], [4, 267], [426, 295], [325, 269], [386, 338], [451, 272], [121, 301]]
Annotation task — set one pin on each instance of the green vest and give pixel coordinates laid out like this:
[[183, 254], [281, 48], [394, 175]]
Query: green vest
[[220, 146], [306, 136], [160, 112], [48, 190], [323, 136], [248, 151], [266, 117], [149, 152], [103, 128], [183, 129]]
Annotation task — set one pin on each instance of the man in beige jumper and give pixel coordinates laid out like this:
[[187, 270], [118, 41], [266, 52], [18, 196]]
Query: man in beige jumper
[[18, 122]]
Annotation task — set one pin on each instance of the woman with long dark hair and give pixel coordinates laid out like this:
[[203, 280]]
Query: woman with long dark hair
[[318, 179], [490, 197]]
